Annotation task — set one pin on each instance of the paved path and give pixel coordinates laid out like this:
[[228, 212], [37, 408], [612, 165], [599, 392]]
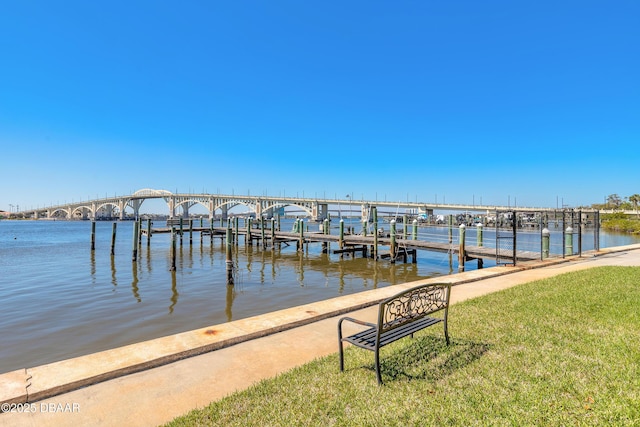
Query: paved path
[[151, 383]]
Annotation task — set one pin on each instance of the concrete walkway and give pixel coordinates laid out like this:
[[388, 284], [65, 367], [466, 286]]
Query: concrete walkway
[[150, 383]]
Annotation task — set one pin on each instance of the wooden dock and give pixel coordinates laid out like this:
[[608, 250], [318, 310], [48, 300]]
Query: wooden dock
[[350, 243]]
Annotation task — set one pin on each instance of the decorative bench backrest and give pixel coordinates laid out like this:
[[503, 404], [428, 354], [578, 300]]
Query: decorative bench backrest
[[412, 305]]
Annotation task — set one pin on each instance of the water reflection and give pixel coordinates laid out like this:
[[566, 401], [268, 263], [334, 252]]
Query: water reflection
[[134, 281], [174, 292], [114, 280], [148, 259], [93, 267]]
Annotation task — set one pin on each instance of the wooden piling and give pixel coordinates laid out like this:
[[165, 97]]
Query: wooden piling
[[273, 232], [375, 239], [392, 247], [326, 229], [461, 254], [136, 230], [173, 250], [148, 231], [229, 260], [546, 235], [113, 238], [301, 235], [568, 241], [404, 227], [93, 235]]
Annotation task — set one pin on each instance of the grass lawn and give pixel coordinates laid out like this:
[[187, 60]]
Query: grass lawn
[[563, 351]]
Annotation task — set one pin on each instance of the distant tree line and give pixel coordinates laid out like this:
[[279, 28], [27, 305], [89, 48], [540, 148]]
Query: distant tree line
[[614, 201], [618, 221]]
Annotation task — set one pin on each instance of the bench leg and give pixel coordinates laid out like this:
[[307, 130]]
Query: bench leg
[[340, 349], [378, 375], [446, 331]]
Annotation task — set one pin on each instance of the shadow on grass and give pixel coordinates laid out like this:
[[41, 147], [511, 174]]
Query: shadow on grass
[[428, 358]]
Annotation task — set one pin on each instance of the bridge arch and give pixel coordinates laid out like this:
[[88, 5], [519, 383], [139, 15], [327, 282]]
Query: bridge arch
[[232, 203], [82, 211], [54, 213], [150, 192], [190, 203], [278, 205]]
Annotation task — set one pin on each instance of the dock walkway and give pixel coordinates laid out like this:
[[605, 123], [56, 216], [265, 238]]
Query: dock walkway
[[353, 242]]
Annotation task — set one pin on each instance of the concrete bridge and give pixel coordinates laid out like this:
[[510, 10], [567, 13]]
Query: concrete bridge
[[219, 205]]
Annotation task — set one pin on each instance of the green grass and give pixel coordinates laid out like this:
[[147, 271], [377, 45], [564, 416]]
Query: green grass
[[564, 351]]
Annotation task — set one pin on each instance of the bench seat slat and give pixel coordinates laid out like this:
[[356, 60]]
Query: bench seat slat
[[367, 338]]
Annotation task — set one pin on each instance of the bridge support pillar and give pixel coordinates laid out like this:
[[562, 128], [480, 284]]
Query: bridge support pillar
[[319, 211]]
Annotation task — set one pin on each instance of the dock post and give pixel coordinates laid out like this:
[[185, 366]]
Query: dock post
[[273, 232], [404, 227], [236, 228], [479, 230], [113, 238], [341, 234], [415, 229], [450, 228], [136, 230], [93, 235], [364, 227], [325, 230], [568, 241], [392, 248], [181, 230], [248, 240], [262, 225], [229, 261], [461, 254], [375, 238], [148, 231], [546, 235], [173, 250], [190, 232], [301, 233]]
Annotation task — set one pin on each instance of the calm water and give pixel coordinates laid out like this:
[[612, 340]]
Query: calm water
[[59, 299]]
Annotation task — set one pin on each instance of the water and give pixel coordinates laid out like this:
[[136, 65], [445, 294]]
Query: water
[[59, 299]]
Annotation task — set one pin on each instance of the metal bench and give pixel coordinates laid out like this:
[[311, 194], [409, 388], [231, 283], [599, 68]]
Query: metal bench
[[399, 316]]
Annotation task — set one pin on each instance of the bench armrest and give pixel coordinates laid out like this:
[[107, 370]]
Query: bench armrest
[[359, 322]]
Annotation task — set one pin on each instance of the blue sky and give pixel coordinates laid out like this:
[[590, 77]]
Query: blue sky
[[457, 102]]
